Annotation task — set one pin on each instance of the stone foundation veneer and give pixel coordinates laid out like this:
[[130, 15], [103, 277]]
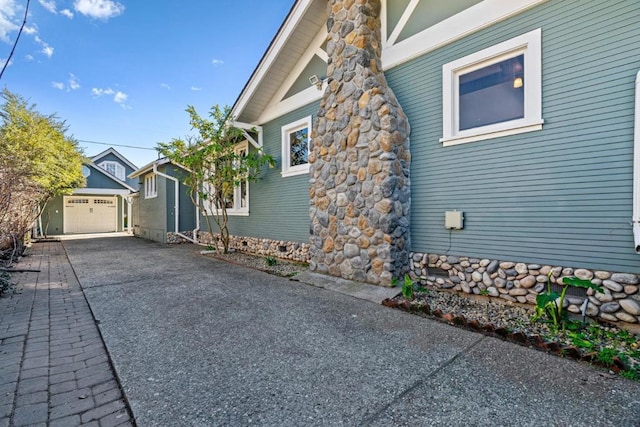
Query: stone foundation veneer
[[507, 280], [520, 282], [359, 157], [293, 251]]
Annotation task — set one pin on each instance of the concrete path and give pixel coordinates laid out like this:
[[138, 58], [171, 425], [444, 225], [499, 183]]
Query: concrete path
[[198, 342], [54, 368]]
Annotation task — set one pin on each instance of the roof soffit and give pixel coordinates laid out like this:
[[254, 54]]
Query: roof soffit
[[291, 43]]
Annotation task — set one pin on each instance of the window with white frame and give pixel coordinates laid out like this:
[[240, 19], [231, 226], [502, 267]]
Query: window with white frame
[[295, 147], [494, 92], [238, 202], [114, 168], [150, 186]]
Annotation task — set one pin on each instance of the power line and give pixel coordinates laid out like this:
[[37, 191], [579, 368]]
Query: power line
[[116, 145], [24, 21]]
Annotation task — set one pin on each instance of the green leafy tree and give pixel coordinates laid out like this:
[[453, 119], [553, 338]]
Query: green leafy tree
[[37, 162], [215, 166]]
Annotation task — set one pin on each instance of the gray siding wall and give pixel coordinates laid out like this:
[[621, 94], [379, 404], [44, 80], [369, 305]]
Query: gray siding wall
[[278, 207], [187, 221], [54, 212], [97, 179], [152, 213], [562, 195]]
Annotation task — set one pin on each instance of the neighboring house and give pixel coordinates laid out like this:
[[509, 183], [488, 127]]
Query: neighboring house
[[163, 208], [522, 150], [104, 205]]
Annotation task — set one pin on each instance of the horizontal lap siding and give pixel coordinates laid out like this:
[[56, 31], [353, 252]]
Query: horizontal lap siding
[[153, 211], [562, 195], [279, 207]]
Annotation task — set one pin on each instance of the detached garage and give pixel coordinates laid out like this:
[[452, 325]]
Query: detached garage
[[90, 214], [103, 206]]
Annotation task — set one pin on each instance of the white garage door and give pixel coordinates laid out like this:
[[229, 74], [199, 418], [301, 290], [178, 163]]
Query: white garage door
[[90, 214]]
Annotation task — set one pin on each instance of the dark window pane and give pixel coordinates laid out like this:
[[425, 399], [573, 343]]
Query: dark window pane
[[243, 194], [299, 146], [492, 94]]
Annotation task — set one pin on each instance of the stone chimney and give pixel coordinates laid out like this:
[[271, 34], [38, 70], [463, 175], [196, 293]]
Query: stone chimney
[[359, 157]]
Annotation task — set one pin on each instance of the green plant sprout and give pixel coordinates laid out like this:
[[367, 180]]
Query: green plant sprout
[[271, 261], [551, 302], [407, 287]]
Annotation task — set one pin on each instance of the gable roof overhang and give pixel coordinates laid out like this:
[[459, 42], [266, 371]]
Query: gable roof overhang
[[123, 184], [111, 150], [149, 167], [101, 192], [292, 40]]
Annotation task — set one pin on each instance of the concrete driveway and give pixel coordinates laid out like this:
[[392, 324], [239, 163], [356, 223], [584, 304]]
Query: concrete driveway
[[198, 342]]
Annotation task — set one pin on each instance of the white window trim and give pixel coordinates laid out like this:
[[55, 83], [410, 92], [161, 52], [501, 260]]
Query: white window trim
[[529, 44], [118, 168], [235, 211], [239, 211], [151, 186], [286, 150]]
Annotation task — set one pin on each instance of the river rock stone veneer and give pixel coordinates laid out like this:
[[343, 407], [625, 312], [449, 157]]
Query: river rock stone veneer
[[293, 251], [521, 282], [359, 157]]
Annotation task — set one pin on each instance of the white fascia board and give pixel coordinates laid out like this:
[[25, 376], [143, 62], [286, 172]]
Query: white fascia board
[[475, 18], [298, 11], [115, 153], [102, 191], [299, 100], [148, 167], [304, 60]]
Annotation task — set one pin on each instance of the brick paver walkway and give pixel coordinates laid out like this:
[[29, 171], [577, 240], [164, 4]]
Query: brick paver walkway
[[54, 368]]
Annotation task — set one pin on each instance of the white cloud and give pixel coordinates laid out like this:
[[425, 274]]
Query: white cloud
[[49, 5], [3, 61], [195, 88], [74, 84], [166, 86], [119, 98], [215, 61], [30, 30], [7, 13], [99, 9], [99, 92], [29, 58], [67, 13], [47, 51]]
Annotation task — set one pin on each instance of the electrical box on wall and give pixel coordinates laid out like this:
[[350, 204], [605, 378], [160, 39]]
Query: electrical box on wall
[[453, 220]]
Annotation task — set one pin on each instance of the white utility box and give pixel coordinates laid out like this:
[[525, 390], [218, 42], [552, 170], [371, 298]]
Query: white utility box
[[453, 220]]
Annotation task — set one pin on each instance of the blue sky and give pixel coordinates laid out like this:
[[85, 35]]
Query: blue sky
[[123, 72]]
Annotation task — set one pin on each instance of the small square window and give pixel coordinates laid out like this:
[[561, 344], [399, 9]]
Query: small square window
[[494, 92], [295, 147]]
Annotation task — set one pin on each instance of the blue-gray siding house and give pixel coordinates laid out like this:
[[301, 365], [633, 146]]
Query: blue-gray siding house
[[524, 158], [102, 206], [163, 209]]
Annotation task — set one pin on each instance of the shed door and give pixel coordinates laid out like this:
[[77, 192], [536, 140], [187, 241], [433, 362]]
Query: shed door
[[90, 214]]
